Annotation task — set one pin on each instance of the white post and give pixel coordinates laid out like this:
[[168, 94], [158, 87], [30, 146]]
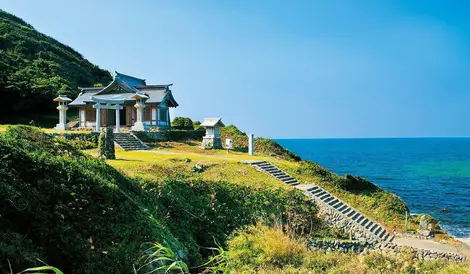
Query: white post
[[118, 118], [251, 144], [98, 117]]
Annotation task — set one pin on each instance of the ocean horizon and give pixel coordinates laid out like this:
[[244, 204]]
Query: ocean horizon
[[430, 174]]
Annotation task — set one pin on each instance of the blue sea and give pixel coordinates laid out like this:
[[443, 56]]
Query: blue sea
[[429, 174]]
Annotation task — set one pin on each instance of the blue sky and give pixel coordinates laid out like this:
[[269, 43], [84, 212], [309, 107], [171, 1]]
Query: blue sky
[[284, 69]]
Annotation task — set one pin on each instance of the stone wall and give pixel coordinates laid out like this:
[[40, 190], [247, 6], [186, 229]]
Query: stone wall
[[152, 136], [334, 218], [336, 246], [384, 248]]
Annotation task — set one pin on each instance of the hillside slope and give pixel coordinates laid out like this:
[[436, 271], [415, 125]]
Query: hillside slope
[[78, 213], [34, 68]]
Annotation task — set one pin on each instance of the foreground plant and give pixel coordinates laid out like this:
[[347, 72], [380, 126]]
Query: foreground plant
[[219, 263], [42, 269], [161, 259]]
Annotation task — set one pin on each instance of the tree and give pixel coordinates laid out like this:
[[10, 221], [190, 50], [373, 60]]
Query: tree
[[182, 123]]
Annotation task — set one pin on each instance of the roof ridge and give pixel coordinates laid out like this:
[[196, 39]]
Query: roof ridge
[[82, 88], [125, 75]]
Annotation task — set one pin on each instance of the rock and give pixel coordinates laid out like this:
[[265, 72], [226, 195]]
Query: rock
[[424, 233], [197, 169], [423, 223]]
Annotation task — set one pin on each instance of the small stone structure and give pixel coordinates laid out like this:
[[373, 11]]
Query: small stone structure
[[62, 107], [106, 143], [212, 138]]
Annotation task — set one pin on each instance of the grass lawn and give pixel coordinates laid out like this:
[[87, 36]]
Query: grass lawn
[[176, 160]]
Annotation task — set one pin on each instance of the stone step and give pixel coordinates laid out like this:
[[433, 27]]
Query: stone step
[[343, 207], [378, 231], [364, 222], [277, 173], [359, 219], [381, 235], [128, 142], [334, 202], [373, 228], [355, 216], [351, 214], [326, 197], [316, 191]]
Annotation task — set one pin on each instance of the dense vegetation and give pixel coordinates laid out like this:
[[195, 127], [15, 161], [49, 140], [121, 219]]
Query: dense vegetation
[[79, 214], [34, 68], [263, 249]]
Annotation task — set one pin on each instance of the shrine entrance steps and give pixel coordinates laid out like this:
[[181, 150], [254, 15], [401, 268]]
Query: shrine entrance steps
[[319, 194], [129, 141]]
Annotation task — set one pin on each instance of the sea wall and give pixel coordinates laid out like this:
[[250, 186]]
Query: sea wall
[[384, 248]]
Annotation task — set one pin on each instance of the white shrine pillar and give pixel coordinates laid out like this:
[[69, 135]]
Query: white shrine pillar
[[62, 107], [251, 144], [98, 117], [118, 118]]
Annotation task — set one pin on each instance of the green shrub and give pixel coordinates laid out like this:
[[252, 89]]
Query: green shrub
[[272, 148], [310, 168], [199, 211], [184, 135], [353, 183], [80, 140], [70, 210], [196, 125], [182, 123], [261, 246], [231, 131]]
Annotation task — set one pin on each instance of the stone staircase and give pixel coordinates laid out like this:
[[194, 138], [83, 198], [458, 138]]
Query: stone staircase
[[129, 141], [317, 193]]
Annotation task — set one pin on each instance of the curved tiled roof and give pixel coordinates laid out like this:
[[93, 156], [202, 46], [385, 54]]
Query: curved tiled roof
[[126, 86]]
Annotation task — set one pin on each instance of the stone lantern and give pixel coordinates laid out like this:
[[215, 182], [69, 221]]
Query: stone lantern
[[63, 101], [139, 105], [212, 138]]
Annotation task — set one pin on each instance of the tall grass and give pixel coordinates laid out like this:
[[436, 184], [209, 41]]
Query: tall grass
[[161, 259]]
